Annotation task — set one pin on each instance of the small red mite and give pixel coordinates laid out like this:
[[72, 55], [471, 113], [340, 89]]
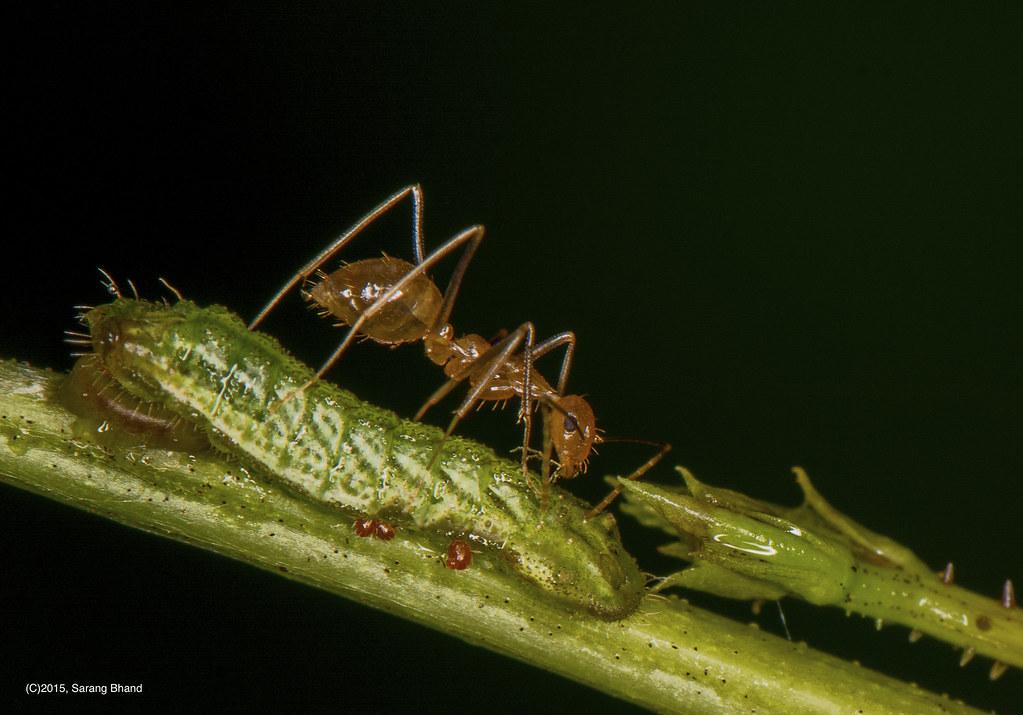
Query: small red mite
[[383, 531], [459, 555], [374, 527]]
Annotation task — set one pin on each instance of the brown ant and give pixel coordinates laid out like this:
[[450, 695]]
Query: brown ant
[[391, 301]]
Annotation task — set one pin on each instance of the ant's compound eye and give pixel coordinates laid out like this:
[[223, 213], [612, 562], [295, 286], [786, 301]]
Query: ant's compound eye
[[570, 424]]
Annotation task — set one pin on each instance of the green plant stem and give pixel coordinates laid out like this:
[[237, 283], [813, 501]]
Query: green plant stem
[[667, 656]]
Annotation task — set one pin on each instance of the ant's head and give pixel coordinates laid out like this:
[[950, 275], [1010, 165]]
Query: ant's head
[[574, 432]]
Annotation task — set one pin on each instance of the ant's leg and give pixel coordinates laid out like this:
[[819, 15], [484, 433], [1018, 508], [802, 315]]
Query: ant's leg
[[567, 339], [548, 448], [509, 343], [527, 397], [472, 235], [545, 462], [440, 393], [494, 358], [499, 335], [548, 438], [636, 474], [451, 292], [513, 341], [341, 241], [555, 341]]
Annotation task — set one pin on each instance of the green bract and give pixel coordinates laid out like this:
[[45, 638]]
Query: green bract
[[748, 549]]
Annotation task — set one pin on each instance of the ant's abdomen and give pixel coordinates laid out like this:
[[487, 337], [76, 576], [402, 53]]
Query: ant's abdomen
[[350, 290]]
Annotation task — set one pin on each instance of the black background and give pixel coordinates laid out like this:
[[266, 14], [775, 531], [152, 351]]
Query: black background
[[782, 237]]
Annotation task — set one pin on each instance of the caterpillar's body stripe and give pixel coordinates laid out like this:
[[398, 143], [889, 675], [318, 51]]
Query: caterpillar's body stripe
[[204, 365]]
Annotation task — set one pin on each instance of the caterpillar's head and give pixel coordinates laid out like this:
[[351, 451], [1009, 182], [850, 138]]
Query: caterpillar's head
[[122, 334]]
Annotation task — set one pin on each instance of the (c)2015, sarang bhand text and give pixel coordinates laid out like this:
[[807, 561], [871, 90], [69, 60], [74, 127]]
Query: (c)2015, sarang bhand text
[[82, 688]]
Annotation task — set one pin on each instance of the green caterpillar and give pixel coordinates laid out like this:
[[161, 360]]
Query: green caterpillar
[[203, 365]]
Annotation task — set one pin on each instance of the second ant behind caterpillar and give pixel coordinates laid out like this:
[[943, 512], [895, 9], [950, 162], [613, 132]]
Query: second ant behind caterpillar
[[391, 301]]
